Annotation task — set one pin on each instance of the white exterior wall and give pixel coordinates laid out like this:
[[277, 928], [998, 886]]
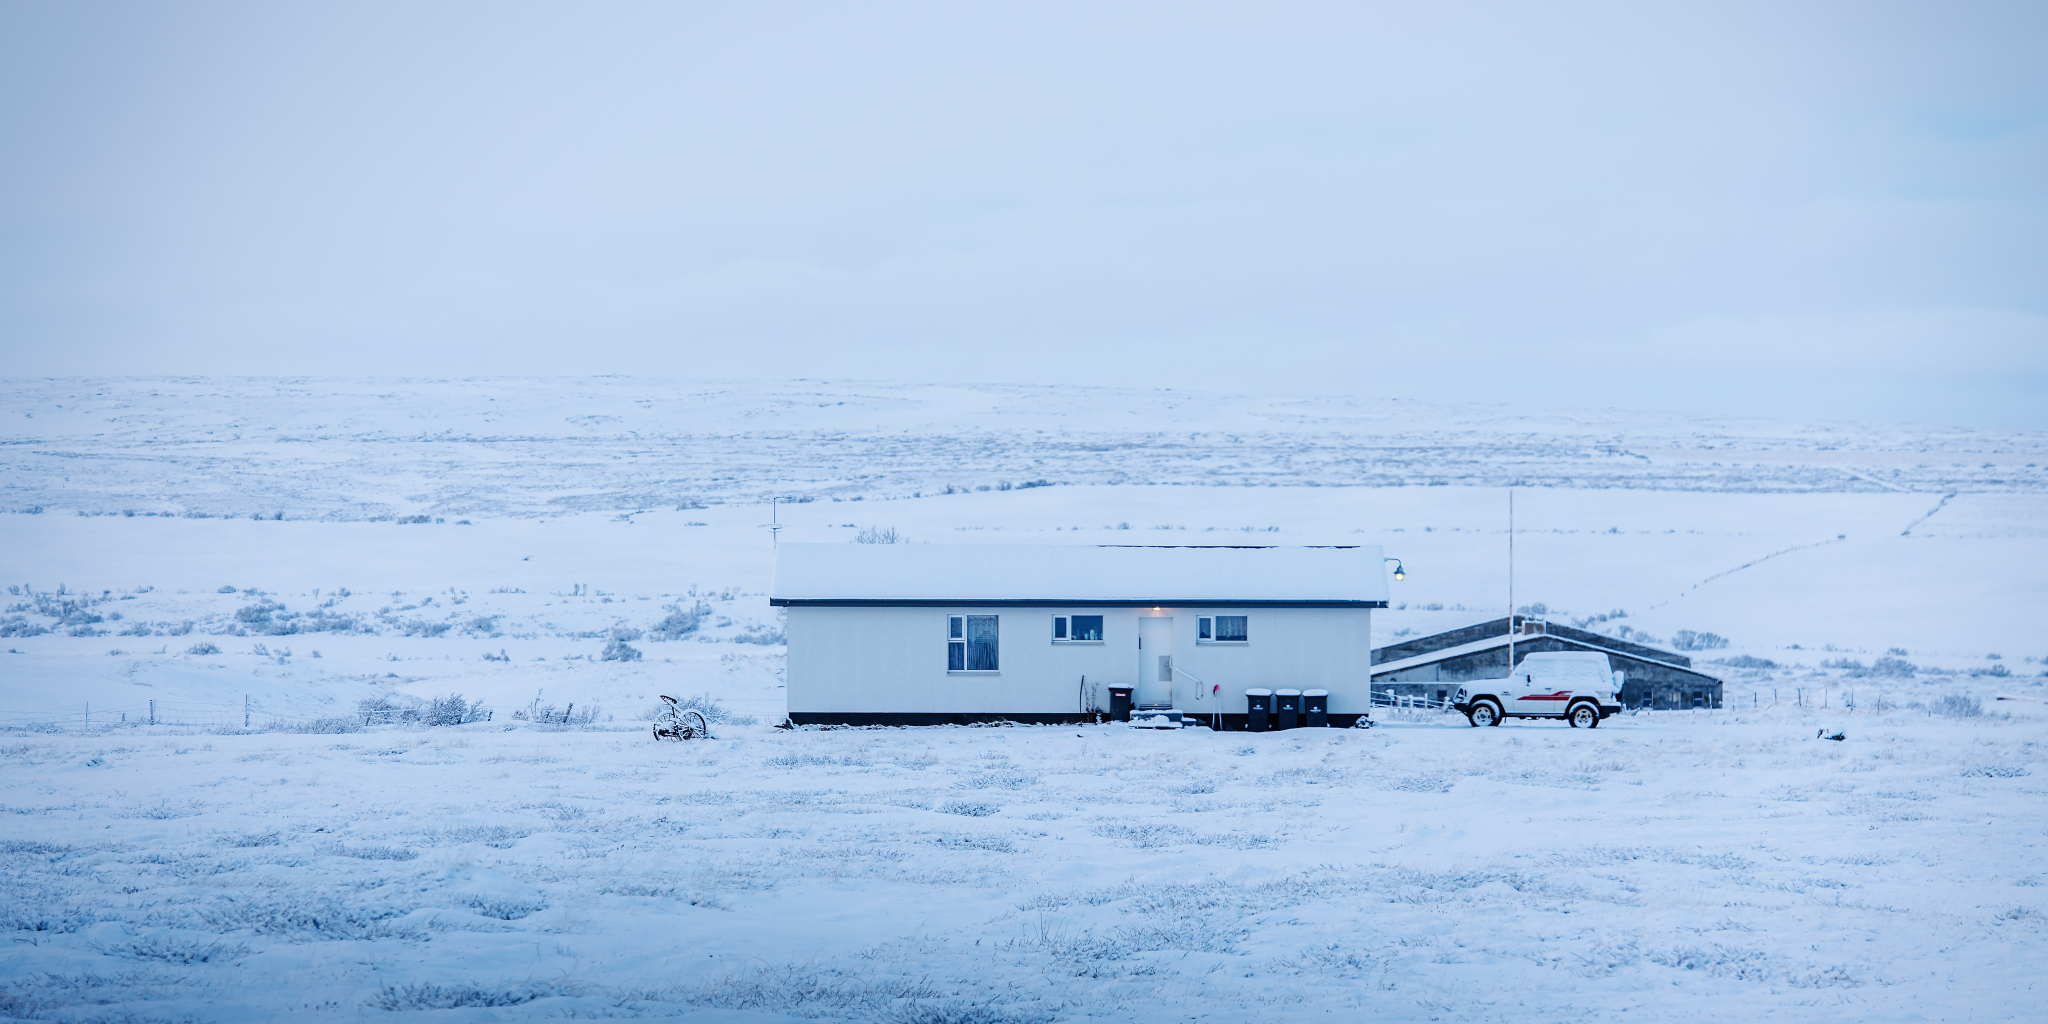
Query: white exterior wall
[[892, 660]]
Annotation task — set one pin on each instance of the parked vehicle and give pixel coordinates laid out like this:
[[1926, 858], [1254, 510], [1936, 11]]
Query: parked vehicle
[[1573, 685]]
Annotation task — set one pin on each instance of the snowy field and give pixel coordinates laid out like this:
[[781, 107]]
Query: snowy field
[[1670, 866], [286, 553]]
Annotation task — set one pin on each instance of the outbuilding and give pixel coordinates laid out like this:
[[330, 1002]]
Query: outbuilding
[[925, 634], [1428, 669]]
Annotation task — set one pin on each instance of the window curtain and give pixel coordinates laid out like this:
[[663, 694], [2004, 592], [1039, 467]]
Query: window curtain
[[981, 643]]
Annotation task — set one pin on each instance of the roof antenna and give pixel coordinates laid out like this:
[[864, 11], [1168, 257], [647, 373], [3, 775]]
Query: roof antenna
[[775, 521]]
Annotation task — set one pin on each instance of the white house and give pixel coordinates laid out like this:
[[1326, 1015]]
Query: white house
[[901, 634]]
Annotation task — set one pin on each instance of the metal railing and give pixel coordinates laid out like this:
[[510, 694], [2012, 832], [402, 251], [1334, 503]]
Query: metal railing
[[1390, 699]]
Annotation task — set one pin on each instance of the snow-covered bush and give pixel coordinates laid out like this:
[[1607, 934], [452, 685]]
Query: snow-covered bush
[[1958, 706], [1890, 666], [547, 714], [501, 837], [305, 917], [762, 635], [169, 949], [260, 618], [999, 778], [1634, 635], [1687, 640], [618, 650], [504, 908], [713, 711], [453, 710], [203, 648], [372, 852], [320, 726], [1746, 661], [679, 623], [883, 534], [988, 843]]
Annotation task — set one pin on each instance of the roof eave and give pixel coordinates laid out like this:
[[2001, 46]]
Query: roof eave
[[954, 602]]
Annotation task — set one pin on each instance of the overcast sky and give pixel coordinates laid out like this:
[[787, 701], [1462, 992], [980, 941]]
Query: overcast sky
[[1787, 210]]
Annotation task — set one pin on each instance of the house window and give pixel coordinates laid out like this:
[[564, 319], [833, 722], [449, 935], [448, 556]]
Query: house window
[[1076, 629], [971, 643], [1222, 629]]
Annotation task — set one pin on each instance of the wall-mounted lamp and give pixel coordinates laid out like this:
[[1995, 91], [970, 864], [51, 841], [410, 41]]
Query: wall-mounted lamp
[[1399, 572]]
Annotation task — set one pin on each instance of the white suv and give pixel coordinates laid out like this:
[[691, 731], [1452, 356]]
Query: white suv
[[1573, 685]]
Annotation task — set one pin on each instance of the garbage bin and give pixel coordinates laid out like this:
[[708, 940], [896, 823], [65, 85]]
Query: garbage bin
[[1120, 703], [1286, 709], [1257, 705], [1315, 705]]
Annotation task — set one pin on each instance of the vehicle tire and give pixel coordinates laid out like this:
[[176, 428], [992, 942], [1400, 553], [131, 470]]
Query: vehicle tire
[[1484, 712], [1583, 716]]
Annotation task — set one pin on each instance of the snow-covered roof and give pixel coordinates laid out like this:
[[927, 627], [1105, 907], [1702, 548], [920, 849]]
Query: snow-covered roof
[[876, 574], [1529, 639]]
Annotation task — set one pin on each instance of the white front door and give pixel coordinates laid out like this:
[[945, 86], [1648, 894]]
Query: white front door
[[1155, 661]]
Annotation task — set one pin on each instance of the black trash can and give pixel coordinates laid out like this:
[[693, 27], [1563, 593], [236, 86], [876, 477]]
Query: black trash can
[[1315, 705], [1258, 704], [1120, 703], [1286, 709]]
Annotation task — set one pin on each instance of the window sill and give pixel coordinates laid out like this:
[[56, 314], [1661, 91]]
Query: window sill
[[1223, 643], [1077, 643], [973, 672]]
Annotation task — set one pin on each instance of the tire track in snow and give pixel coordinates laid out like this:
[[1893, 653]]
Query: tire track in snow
[[1755, 562], [1908, 531]]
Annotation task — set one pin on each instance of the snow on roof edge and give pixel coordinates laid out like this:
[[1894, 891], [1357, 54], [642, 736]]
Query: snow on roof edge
[[1352, 574]]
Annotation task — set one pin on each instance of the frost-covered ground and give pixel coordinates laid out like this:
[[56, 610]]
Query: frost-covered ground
[[353, 449], [1667, 866], [493, 539]]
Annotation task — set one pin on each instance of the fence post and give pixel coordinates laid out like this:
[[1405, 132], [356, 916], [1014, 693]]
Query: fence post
[[245, 711], [88, 714], [152, 711]]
